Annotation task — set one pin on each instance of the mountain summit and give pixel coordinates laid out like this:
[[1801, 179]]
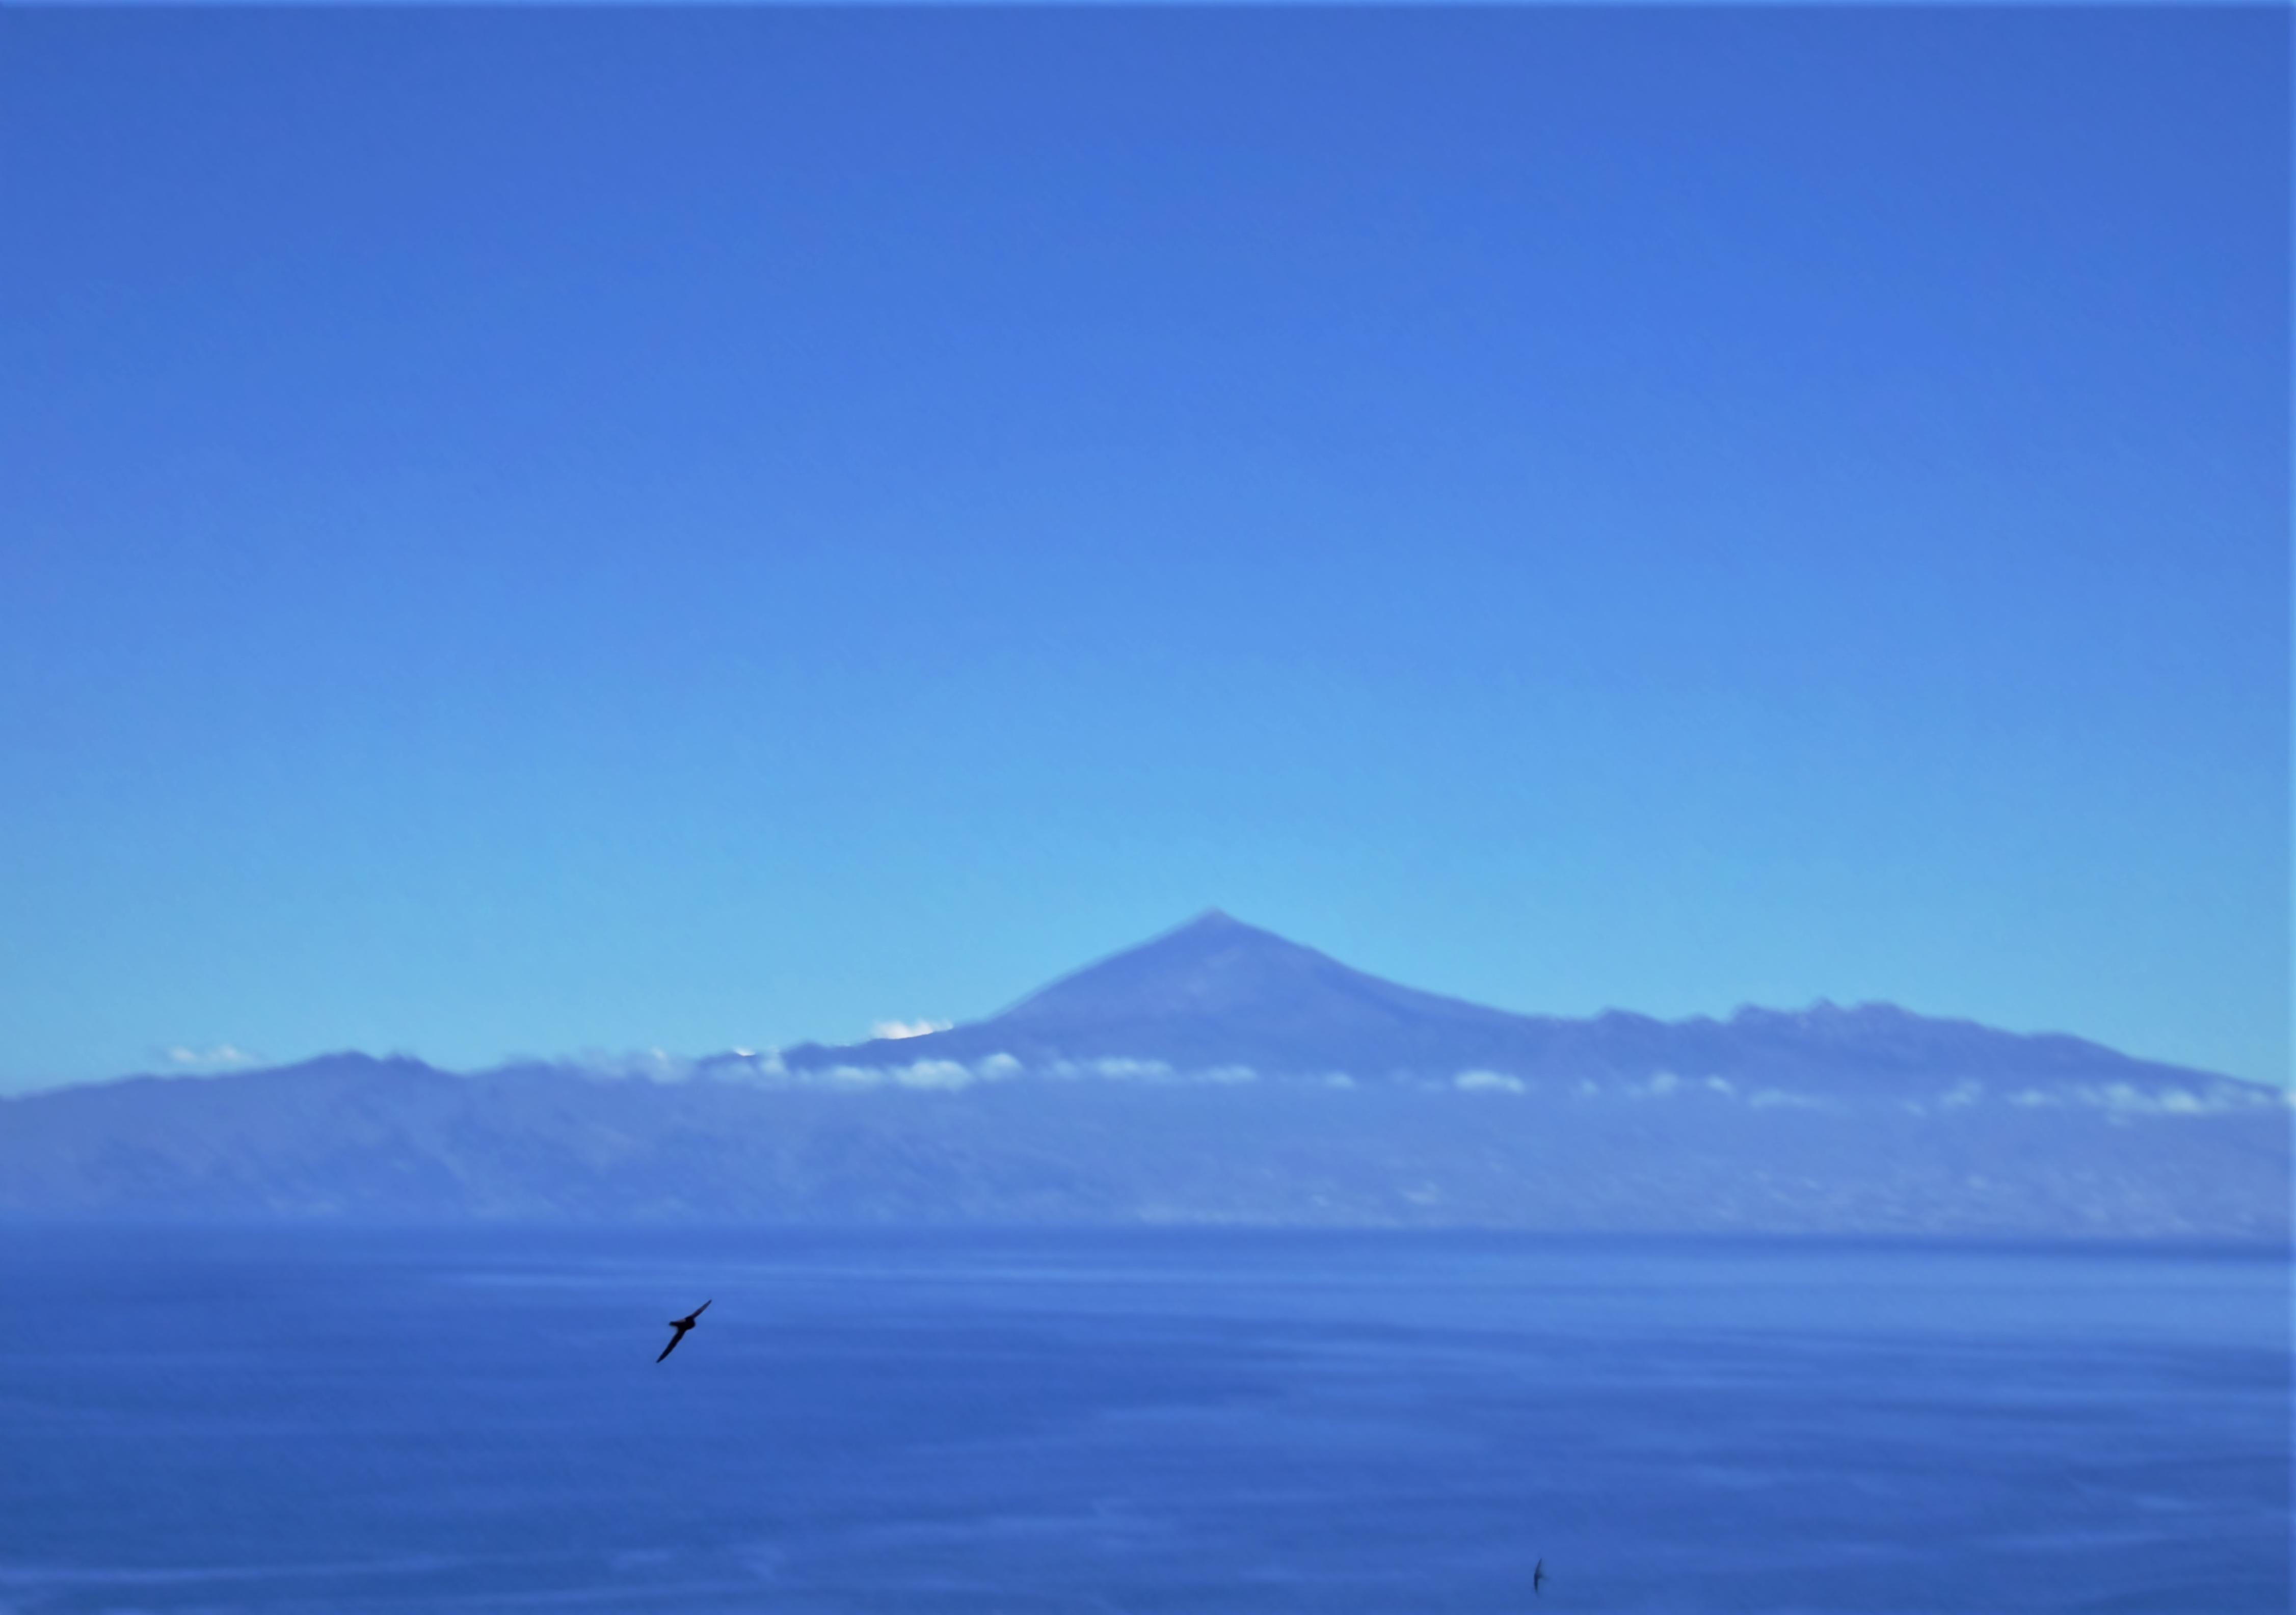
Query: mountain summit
[[1222, 974], [1219, 991], [1215, 993]]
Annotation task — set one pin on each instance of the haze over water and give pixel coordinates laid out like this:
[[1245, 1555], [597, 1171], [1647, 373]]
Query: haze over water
[[300, 1421]]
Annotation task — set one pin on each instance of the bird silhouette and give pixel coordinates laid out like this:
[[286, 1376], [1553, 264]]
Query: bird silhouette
[[682, 1325], [1538, 1571]]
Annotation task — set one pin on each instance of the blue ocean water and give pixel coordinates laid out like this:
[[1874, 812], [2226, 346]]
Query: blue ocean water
[[1132, 1424]]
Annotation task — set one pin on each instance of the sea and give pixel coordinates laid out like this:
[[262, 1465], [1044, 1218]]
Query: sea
[[291, 1420]]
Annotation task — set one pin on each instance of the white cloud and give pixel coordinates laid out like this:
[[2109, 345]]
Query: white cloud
[[2126, 1099], [650, 1065], [934, 1074], [1488, 1082], [906, 1029], [2121, 1100], [1137, 1070], [1771, 1099], [944, 1075], [750, 1067], [222, 1057]]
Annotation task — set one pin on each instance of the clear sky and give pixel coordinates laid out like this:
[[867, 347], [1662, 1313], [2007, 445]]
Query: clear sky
[[532, 532]]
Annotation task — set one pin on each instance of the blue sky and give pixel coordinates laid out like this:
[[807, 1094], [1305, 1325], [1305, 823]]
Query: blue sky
[[528, 532]]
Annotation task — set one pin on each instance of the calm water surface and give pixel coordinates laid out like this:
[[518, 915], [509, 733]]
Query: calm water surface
[[271, 1421]]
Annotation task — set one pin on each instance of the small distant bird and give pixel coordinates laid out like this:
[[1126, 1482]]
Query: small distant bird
[[1538, 1571], [682, 1325]]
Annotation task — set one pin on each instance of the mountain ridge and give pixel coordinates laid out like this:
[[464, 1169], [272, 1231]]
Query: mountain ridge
[[1217, 992], [1220, 1074]]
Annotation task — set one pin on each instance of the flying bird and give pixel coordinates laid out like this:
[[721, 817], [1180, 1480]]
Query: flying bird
[[682, 1325], [1538, 1571]]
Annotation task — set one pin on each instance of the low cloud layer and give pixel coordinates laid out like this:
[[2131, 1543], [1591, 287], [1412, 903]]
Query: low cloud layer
[[222, 1057], [1945, 1099], [891, 1029], [649, 1065]]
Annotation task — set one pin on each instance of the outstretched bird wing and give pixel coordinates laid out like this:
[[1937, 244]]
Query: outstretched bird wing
[[682, 1325]]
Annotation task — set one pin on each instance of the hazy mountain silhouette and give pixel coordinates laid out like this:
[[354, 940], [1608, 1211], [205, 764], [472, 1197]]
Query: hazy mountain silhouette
[[1221, 1074], [1217, 994]]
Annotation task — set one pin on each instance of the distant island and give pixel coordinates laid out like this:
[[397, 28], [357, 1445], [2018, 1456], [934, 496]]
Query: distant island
[[1220, 1074]]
